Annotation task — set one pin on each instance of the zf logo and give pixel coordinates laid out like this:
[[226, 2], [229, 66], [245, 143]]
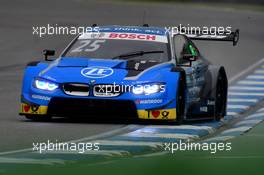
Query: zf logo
[[97, 72]]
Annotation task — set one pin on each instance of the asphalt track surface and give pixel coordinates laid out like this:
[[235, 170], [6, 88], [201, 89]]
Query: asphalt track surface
[[18, 46]]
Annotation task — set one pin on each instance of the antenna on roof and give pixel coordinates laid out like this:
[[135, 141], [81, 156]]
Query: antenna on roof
[[144, 18], [94, 25]]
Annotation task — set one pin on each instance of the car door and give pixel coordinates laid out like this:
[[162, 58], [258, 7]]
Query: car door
[[195, 71]]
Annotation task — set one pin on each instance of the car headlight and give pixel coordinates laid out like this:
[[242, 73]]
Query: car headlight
[[45, 85], [148, 89]]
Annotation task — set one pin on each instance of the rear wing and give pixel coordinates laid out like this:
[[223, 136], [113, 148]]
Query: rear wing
[[213, 35]]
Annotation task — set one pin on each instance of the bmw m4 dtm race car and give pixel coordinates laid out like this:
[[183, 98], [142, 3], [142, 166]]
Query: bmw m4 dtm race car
[[129, 72]]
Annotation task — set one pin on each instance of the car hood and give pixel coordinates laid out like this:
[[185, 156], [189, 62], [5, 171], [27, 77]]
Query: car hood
[[102, 70], [84, 62]]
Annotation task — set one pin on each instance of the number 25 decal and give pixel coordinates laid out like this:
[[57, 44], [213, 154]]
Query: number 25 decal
[[88, 46]]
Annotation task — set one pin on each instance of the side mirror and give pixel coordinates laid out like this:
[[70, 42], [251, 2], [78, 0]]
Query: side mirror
[[47, 53], [189, 57]]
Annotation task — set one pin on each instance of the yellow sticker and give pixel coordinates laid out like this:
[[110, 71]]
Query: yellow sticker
[[163, 114], [33, 109]]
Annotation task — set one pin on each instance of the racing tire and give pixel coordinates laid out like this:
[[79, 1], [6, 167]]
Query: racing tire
[[37, 118], [220, 98]]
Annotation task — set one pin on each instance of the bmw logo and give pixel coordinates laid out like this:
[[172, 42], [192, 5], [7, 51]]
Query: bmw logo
[[92, 81], [97, 72]]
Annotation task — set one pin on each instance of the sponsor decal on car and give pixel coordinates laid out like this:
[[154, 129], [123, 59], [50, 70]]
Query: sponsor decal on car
[[33, 109], [125, 36], [149, 101], [97, 72], [162, 114], [211, 102], [132, 36], [40, 97], [204, 109]]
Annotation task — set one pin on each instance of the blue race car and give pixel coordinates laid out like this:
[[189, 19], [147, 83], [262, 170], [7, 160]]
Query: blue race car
[[127, 72]]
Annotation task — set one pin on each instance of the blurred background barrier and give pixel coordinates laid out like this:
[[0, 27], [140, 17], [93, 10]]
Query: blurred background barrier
[[216, 1]]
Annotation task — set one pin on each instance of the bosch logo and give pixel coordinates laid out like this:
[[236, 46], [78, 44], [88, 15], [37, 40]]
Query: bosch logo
[[97, 72]]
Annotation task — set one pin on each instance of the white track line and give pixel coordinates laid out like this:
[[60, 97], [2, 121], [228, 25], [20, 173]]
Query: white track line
[[246, 88], [248, 122], [255, 77], [259, 71], [245, 93], [240, 129], [237, 107], [246, 71], [255, 115], [261, 110], [250, 82], [253, 100]]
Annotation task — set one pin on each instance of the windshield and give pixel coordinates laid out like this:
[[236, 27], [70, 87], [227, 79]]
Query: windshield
[[120, 46]]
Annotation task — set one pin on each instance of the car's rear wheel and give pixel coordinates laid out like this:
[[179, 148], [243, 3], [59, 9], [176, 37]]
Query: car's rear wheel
[[38, 118], [221, 98]]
